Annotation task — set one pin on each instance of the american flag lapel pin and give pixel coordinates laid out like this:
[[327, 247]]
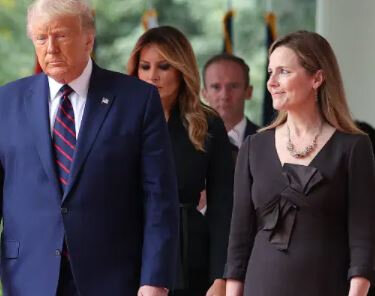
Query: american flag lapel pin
[[105, 101]]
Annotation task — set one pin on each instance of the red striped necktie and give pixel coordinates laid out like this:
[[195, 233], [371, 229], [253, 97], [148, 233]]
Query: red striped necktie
[[64, 137]]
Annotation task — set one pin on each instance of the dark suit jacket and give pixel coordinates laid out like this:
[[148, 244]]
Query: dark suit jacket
[[250, 129], [119, 213], [196, 170]]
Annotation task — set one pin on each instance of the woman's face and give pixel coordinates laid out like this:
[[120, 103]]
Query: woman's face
[[290, 85], [154, 69]]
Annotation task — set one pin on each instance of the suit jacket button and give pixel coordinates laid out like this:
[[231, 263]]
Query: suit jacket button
[[64, 210], [58, 252]]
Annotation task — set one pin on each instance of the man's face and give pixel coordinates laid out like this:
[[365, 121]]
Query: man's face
[[62, 46], [226, 90]]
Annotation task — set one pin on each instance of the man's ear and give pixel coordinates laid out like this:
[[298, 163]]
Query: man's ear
[[249, 92], [90, 41], [318, 79]]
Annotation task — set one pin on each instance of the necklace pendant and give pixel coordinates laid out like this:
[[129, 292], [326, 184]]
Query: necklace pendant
[[306, 151]]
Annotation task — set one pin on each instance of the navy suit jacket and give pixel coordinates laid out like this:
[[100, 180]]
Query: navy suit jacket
[[119, 214]]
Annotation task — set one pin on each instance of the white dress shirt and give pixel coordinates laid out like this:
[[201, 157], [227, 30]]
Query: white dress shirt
[[237, 133], [78, 98]]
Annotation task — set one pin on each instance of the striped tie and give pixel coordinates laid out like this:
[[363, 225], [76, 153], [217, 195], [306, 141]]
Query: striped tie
[[64, 137]]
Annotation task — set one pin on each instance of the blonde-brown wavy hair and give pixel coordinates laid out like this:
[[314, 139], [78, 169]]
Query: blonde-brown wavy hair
[[314, 53], [177, 51]]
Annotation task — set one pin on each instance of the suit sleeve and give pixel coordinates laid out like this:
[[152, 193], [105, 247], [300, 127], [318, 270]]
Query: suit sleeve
[[219, 197], [160, 199], [361, 210], [243, 223], [1, 198], [1, 191]]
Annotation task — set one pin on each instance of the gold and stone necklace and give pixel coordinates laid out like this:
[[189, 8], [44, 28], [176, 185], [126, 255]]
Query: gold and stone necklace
[[307, 150]]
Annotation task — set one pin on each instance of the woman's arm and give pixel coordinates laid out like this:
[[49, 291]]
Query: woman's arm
[[234, 288], [361, 207], [359, 286], [219, 191], [243, 224]]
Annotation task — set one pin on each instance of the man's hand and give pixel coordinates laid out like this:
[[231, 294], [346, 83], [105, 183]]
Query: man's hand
[[217, 288], [152, 291]]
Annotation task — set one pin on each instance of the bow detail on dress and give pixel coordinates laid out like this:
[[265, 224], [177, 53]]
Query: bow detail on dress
[[302, 178], [279, 215]]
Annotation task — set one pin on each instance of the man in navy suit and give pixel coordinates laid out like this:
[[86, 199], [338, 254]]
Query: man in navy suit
[[88, 198], [226, 82]]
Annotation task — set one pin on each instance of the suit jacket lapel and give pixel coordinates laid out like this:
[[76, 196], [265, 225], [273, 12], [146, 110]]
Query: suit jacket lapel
[[98, 103], [37, 110]]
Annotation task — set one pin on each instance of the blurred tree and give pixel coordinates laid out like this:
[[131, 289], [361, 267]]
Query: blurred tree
[[119, 26], [16, 52]]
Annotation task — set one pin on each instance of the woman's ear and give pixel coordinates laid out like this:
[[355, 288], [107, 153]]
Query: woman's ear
[[318, 79]]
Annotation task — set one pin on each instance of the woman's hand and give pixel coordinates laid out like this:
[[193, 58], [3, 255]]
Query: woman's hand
[[217, 288], [152, 291], [359, 286], [234, 288]]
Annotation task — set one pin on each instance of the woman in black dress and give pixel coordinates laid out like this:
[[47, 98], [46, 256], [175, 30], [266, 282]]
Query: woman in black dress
[[303, 215], [164, 57]]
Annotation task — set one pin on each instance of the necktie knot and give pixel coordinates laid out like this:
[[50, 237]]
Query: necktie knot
[[66, 90]]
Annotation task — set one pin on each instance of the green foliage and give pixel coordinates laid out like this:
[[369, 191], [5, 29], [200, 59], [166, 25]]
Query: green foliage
[[201, 21], [16, 52], [119, 26]]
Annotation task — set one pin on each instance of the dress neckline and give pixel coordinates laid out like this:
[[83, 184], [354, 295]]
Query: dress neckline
[[311, 161]]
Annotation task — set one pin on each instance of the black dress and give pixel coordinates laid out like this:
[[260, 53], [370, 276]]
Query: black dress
[[204, 239], [303, 230]]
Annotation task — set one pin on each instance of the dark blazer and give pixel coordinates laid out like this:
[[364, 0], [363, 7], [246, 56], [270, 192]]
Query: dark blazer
[[204, 238], [119, 213], [250, 129]]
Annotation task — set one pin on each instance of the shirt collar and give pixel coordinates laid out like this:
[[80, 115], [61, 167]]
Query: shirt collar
[[236, 134], [80, 85]]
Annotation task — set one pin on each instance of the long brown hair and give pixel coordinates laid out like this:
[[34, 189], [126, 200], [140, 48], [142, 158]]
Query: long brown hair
[[177, 51], [314, 53]]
